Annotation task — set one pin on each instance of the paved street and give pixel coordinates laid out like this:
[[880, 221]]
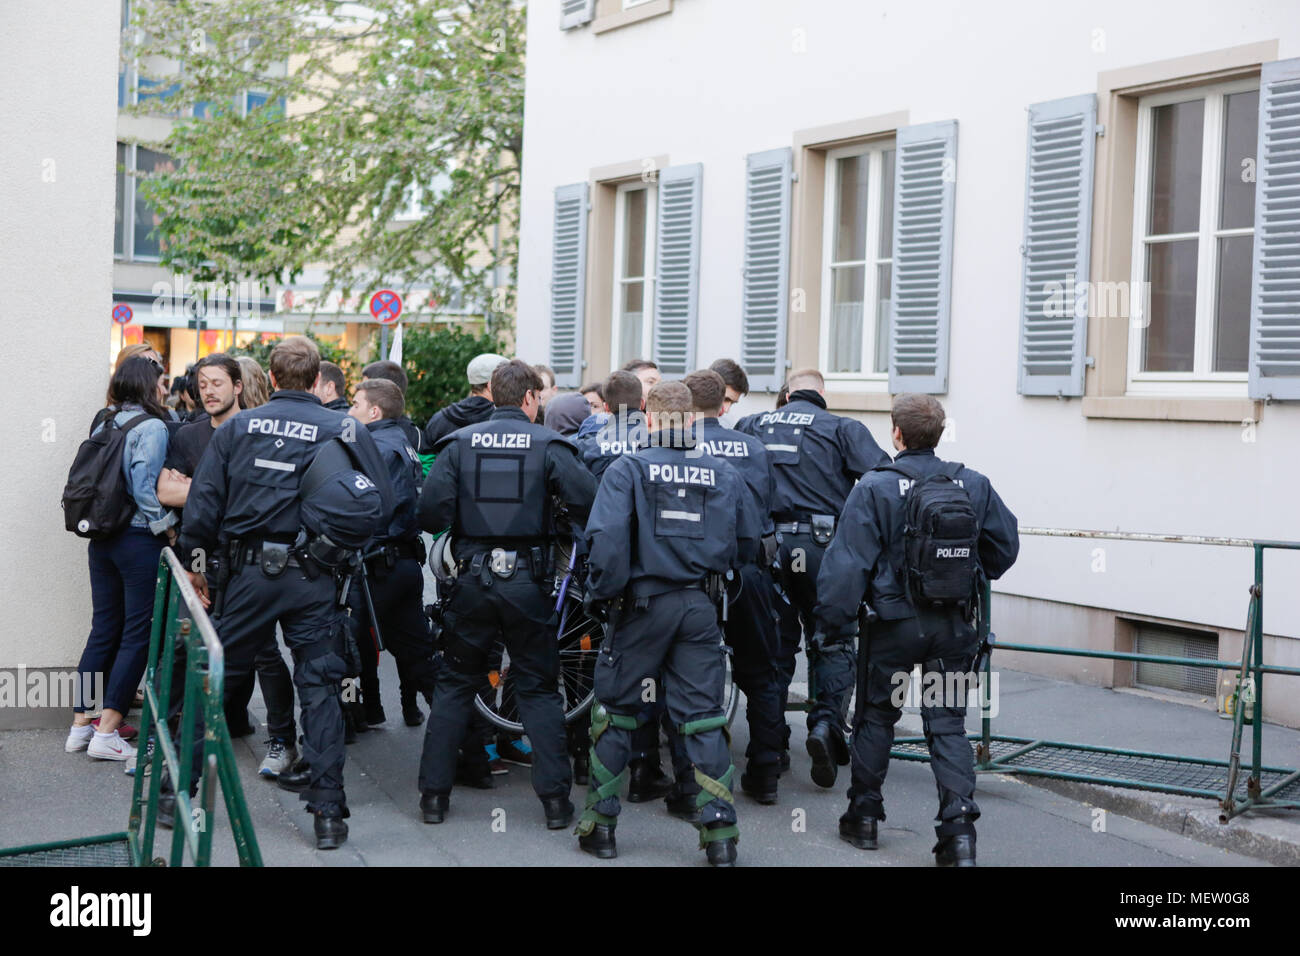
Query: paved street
[[50, 795]]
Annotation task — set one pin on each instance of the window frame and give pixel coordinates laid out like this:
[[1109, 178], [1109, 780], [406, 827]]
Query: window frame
[[1202, 381], [867, 379], [651, 189]]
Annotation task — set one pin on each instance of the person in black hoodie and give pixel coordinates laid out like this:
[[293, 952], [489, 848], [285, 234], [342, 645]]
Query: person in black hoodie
[[476, 407]]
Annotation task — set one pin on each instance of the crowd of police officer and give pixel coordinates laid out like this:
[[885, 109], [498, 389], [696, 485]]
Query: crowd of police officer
[[697, 540]]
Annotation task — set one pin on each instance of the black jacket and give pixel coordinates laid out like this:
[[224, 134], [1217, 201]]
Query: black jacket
[[468, 411]]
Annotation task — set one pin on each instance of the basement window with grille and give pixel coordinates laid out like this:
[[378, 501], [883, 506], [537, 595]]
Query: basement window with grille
[[1175, 642]]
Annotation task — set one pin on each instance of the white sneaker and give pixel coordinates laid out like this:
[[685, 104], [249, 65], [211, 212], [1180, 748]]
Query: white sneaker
[[110, 747], [279, 758], [78, 741]]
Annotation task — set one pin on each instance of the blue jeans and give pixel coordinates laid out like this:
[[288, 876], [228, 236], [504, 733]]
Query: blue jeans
[[123, 572]]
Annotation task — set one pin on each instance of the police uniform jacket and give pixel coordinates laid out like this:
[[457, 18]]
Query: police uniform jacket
[[492, 483], [748, 456], [246, 486], [666, 517], [816, 456], [865, 558], [619, 435], [406, 473]]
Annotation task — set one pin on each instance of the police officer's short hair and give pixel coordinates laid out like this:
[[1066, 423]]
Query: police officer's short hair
[[386, 370], [637, 364], [805, 378], [708, 390], [919, 417], [670, 397], [597, 387], [512, 380], [385, 396], [623, 389], [329, 372], [546, 373], [295, 363], [732, 374]]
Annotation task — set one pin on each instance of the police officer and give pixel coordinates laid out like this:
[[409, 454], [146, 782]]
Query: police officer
[[667, 523], [816, 457], [751, 623], [394, 576], [493, 483], [392, 372], [244, 501], [867, 561]]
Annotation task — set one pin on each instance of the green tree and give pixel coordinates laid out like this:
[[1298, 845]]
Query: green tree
[[435, 361], [344, 358], [378, 99]]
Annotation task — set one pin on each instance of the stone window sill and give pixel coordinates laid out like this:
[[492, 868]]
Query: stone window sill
[[1234, 410], [859, 401], [624, 18]]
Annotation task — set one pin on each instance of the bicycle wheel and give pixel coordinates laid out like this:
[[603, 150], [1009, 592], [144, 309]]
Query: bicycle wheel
[[579, 640]]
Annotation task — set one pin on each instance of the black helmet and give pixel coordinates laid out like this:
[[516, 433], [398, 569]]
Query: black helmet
[[339, 502]]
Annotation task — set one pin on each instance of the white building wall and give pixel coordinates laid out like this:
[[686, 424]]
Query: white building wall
[[56, 260], [717, 79]]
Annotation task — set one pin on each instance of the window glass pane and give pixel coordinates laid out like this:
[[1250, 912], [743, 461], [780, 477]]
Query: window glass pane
[[847, 291], [1176, 134], [883, 275], [254, 100], [632, 309], [1232, 310], [1170, 340], [886, 249], [1237, 209], [851, 209], [119, 221], [147, 161], [634, 234]]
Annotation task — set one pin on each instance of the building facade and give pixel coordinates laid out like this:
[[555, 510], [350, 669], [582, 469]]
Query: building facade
[[1075, 224]]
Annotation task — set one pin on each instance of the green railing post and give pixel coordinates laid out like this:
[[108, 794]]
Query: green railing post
[[1257, 676], [986, 699]]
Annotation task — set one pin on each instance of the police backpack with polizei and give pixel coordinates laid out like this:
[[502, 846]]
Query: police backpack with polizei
[[96, 502], [940, 537]]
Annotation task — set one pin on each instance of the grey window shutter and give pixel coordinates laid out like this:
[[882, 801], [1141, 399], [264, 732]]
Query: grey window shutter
[[1275, 273], [764, 291], [574, 13], [1058, 234], [677, 269], [568, 283], [925, 172]]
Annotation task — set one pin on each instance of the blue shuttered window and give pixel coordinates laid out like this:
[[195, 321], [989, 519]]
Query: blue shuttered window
[[1058, 233], [568, 284], [677, 269], [764, 290]]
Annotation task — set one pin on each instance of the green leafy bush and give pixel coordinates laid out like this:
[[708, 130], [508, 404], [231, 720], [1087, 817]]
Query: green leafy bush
[[435, 360]]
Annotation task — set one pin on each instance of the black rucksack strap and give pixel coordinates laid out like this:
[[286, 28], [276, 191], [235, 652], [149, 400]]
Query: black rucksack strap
[[949, 469]]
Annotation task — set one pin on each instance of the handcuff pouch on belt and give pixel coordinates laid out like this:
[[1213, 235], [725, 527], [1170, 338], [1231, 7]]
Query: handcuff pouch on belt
[[274, 558], [823, 528]]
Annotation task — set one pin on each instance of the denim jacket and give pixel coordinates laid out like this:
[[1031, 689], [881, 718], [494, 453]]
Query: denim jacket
[[142, 463]]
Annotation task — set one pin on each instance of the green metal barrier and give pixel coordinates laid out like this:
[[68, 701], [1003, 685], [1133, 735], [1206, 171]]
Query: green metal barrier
[[178, 621], [1143, 770]]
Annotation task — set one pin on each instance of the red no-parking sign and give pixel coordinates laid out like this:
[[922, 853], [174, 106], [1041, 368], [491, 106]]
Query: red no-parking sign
[[386, 306], [122, 313]]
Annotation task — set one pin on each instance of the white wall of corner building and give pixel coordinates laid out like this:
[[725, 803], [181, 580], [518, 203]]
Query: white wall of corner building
[[713, 81], [57, 199]]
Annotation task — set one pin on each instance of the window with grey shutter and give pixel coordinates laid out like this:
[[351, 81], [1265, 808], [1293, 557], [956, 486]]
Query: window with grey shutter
[[1275, 272], [677, 268], [925, 174], [568, 283], [574, 13], [764, 293], [1058, 233]]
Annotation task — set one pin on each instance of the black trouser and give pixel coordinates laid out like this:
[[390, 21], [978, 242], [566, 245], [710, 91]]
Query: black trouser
[[674, 637], [751, 633], [398, 599], [306, 613], [521, 613], [946, 649], [830, 669]]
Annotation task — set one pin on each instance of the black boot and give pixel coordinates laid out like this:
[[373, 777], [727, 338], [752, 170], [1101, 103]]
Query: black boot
[[858, 830], [955, 849], [296, 779], [721, 852], [581, 768], [476, 775], [682, 805], [825, 746], [559, 812], [648, 781], [434, 807], [331, 831], [411, 713], [760, 783], [599, 842]]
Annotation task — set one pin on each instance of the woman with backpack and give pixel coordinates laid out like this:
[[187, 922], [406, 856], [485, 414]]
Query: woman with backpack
[[124, 565]]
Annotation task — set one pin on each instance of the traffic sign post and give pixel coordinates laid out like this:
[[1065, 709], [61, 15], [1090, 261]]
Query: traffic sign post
[[385, 306], [121, 316]]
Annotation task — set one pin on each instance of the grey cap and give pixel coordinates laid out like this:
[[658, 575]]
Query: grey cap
[[481, 367]]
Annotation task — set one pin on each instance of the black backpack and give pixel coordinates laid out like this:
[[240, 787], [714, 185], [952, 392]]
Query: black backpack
[[96, 503], [940, 538], [339, 500]]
